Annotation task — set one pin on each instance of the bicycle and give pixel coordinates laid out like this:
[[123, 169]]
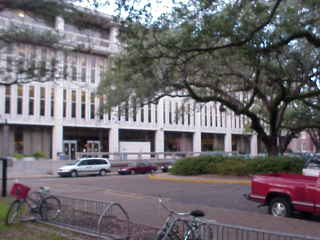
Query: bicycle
[[179, 226], [32, 206]]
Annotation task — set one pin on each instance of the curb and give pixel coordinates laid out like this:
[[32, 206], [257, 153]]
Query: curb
[[198, 180]]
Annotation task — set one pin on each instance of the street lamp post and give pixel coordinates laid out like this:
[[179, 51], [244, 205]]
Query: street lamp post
[[4, 159]]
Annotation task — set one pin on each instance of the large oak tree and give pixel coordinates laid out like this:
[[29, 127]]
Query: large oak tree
[[256, 58]]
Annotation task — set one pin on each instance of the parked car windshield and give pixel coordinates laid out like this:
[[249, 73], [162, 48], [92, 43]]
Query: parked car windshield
[[132, 164], [72, 163]]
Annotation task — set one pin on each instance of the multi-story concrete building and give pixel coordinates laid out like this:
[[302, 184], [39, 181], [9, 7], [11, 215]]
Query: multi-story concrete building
[[62, 115]]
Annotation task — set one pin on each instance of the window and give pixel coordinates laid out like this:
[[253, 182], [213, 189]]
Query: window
[[31, 100], [177, 114], [126, 111], [101, 108], [205, 115], [170, 113], [65, 66], [83, 104], [156, 113], [142, 111], [134, 105], [149, 113], [20, 99], [188, 114], [42, 101], [52, 102], [9, 58], [93, 69], [74, 67], [7, 106], [43, 62], [83, 69], [73, 104], [182, 113], [92, 106], [64, 103]]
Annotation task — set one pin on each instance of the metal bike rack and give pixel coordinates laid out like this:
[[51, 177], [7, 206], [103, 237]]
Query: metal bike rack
[[102, 219], [210, 229]]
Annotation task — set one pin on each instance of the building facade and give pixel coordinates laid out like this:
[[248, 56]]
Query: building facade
[[62, 114]]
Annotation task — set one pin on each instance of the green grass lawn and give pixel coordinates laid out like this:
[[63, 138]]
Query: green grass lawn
[[30, 231]]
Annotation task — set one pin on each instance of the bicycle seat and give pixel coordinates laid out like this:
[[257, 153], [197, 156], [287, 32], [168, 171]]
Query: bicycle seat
[[197, 213]]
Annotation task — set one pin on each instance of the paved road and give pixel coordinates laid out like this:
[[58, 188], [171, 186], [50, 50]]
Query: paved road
[[138, 194]]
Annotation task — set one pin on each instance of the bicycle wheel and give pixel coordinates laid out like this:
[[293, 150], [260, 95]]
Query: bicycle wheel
[[19, 211], [50, 208], [13, 213]]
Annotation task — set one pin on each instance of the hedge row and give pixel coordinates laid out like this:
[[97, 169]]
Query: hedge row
[[236, 165]]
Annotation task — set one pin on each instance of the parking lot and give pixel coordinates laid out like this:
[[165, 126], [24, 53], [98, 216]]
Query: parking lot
[[138, 195]]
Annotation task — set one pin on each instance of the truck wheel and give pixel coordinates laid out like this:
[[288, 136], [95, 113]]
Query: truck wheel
[[280, 207]]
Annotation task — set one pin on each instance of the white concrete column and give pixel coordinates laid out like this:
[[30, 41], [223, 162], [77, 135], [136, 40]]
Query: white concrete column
[[254, 145], [197, 141], [57, 131], [159, 141], [228, 136], [228, 142], [57, 140], [114, 140]]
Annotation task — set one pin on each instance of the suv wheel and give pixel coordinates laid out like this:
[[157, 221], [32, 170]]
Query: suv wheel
[[280, 207], [102, 172], [74, 173]]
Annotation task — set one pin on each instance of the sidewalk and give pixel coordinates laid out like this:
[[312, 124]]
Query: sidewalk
[[210, 178]]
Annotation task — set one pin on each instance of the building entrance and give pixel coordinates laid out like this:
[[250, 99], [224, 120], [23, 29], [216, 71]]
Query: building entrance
[[70, 149], [93, 146]]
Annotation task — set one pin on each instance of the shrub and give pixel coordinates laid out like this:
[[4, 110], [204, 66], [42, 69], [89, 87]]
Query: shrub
[[17, 155], [236, 165], [39, 155], [194, 165]]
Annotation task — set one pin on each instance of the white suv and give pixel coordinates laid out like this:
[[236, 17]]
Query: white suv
[[85, 166]]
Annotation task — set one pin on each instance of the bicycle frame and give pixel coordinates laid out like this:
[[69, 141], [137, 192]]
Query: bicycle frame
[[170, 228]]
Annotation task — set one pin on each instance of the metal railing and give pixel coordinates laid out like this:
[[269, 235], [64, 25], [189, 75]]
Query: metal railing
[[212, 230], [102, 219], [127, 156]]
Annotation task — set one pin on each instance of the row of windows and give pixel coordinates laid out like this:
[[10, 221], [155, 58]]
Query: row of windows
[[173, 112], [31, 100], [45, 63]]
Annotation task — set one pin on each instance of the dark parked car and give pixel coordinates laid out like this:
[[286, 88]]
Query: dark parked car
[[165, 167], [138, 167]]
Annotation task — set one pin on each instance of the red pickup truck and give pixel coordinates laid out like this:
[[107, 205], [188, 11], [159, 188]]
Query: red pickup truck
[[284, 193]]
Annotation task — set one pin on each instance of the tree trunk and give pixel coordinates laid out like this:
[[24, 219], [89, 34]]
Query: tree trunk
[[272, 146]]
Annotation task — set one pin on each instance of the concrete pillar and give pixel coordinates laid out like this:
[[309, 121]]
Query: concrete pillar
[[159, 141], [57, 130], [254, 145], [228, 136], [114, 140], [57, 140], [197, 141], [228, 142]]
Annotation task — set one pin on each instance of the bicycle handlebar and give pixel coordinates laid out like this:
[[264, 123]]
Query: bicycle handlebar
[[160, 200]]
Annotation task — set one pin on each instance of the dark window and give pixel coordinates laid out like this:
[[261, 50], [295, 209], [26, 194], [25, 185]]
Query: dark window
[[52, 102], [92, 106], [73, 104], [8, 100], [64, 102], [83, 104], [42, 101], [19, 100], [31, 100]]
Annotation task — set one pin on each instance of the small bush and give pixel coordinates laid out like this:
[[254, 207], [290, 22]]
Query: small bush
[[17, 155], [236, 165], [39, 155]]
